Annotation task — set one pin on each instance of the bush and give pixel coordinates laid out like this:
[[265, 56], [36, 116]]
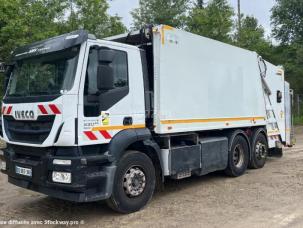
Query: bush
[[298, 120]]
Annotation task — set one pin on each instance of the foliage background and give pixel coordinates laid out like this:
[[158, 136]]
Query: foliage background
[[25, 21]]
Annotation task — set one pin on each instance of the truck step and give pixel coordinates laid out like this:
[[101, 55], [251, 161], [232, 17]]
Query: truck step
[[183, 175]]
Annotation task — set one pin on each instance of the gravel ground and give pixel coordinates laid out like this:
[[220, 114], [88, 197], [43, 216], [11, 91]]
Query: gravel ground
[[270, 197]]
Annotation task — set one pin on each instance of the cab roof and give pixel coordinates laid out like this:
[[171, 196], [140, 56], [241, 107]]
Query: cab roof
[[53, 44]]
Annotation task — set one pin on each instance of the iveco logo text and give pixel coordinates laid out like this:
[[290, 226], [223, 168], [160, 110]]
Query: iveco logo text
[[29, 115]]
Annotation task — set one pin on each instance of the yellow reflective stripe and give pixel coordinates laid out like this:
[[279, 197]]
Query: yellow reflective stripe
[[167, 27], [185, 121], [109, 128]]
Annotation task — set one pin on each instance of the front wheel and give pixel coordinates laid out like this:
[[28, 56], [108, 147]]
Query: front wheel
[[134, 183]]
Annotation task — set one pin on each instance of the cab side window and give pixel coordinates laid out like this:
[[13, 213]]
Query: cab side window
[[96, 100]]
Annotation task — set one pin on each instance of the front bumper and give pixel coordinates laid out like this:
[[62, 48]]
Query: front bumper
[[92, 175]]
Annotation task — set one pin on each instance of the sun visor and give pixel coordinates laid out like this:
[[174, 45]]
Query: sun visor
[[53, 44]]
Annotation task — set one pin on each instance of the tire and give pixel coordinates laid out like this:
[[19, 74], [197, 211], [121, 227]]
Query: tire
[[134, 183], [237, 165], [259, 151]]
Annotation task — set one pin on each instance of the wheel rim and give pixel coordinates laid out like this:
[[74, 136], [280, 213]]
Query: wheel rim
[[134, 181], [238, 156], [260, 151]]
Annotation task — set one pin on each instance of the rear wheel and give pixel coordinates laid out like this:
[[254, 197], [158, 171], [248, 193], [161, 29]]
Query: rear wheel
[[134, 183], [238, 157], [259, 151]]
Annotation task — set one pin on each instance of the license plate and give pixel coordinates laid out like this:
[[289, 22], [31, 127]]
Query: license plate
[[24, 171]]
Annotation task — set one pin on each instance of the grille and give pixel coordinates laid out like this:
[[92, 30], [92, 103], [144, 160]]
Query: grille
[[34, 132], [32, 153]]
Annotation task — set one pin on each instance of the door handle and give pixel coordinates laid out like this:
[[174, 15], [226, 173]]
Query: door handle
[[128, 121]]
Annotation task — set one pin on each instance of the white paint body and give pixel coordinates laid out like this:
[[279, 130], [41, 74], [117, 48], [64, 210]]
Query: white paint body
[[132, 105], [202, 84]]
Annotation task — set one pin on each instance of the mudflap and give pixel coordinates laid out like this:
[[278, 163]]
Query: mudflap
[[275, 152]]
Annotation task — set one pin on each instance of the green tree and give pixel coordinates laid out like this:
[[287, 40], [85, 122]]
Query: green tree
[[168, 12], [291, 57], [251, 36], [24, 21], [92, 15], [287, 21], [213, 21]]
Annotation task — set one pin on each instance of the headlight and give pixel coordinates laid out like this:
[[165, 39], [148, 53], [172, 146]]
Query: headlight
[[62, 177]]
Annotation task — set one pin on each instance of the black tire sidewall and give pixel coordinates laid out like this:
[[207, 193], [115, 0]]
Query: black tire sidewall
[[120, 201], [255, 162], [232, 170]]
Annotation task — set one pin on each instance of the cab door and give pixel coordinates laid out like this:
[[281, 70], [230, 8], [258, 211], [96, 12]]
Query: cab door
[[111, 95]]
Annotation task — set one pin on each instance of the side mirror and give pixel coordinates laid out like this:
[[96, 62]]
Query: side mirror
[[105, 75], [279, 96], [106, 55], [105, 78]]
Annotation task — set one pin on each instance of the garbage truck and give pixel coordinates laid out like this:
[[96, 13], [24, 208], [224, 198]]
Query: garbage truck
[[89, 119]]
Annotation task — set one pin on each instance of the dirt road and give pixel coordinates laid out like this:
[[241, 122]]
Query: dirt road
[[270, 197]]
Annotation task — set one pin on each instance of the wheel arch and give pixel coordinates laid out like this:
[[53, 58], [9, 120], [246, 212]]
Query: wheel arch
[[231, 136], [259, 130], [152, 150], [140, 140]]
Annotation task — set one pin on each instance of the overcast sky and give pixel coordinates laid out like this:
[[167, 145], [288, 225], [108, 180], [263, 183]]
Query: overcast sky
[[258, 8]]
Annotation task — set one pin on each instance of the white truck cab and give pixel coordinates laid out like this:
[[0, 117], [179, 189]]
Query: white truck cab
[[87, 119]]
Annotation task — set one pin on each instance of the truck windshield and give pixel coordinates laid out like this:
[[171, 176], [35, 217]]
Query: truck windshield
[[48, 74]]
